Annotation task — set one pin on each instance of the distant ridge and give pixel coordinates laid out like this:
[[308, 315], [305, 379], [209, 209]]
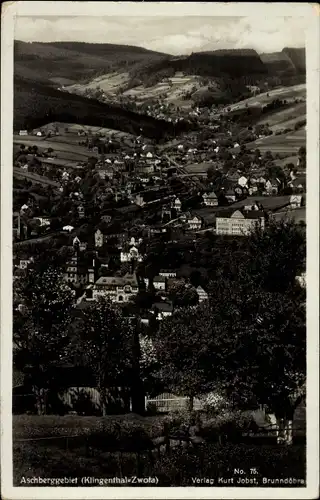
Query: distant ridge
[[288, 61]]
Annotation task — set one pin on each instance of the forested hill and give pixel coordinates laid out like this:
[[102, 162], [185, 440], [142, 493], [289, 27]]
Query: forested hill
[[229, 63], [69, 62], [36, 104], [290, 61]]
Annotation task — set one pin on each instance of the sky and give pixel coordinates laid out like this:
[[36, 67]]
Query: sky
[[172, 35]]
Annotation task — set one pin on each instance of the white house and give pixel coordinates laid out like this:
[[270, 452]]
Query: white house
[[177, 204], [168, 273], [243, 181], [159, 283], [116, 288], [202, 294], [195, 222], [131, 254], [295, 201], [210, 199]]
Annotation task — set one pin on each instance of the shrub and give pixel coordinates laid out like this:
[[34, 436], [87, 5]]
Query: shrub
[[228, 424], [214, 461]]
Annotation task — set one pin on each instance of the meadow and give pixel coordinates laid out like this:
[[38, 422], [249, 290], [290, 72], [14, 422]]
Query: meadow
[[284, 143], [288, 93]]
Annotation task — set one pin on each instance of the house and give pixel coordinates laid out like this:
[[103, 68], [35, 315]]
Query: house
[[24, 263], [210, 199], [202, 294], [230, 195], [80, 211], [262, 180], [98, 238], [239, 222], [296, 201], [298, 184], [77, 272], [139, 200], [168, 273], [106, 218], [105, 172], [131, 254], [116, 288], [271, 187], [238, 190], [177, 205], [195, 223], [302, 280], [162, 310], [243, 181], [252, 190], [159, 283], [43, 221]]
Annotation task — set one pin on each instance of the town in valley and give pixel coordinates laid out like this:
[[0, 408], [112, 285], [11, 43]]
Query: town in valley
[[159, 264]]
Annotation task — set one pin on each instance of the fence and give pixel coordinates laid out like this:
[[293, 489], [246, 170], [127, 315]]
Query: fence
[[167, 402]]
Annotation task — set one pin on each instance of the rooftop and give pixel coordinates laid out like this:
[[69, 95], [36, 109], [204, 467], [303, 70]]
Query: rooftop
[[163, 306], [250, 214], [128, 279]]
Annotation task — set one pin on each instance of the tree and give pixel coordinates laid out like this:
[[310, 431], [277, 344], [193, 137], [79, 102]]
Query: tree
[[104, 341], [184, 296], [39, 329], [183, 346], [274, 256], [260, 347], [250, 341]]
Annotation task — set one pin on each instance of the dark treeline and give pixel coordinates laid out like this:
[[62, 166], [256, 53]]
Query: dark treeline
[[36, 104]]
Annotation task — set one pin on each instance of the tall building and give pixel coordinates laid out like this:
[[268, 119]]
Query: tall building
[[239, 222]]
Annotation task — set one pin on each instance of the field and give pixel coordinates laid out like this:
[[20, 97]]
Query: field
[[34, 178], [65, 150], [170, 90], [298, 215], [285, 118], [57, 457], [109, 83], [288, 93], [285, 143]]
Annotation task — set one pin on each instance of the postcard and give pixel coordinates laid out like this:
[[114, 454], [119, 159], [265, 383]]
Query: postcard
[[159, 250]]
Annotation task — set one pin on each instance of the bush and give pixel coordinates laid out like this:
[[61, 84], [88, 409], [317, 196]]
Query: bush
[[214, 461], [227, 424]]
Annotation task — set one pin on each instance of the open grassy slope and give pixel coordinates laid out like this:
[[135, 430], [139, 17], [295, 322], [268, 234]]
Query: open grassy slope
[[288, 93], [285, 143]]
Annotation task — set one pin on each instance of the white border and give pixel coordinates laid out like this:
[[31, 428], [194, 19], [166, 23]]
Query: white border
[[25, 8]]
